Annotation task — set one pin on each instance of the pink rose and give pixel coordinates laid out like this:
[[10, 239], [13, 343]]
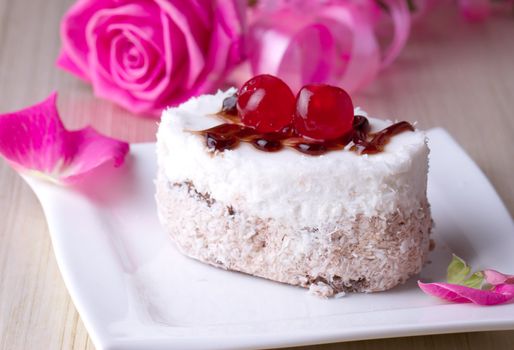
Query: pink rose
[[146, 55]]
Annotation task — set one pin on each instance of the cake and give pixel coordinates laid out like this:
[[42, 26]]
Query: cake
[[335, 220]]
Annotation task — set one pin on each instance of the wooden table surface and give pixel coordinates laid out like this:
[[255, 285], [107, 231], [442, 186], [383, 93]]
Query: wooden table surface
[[452, 74]]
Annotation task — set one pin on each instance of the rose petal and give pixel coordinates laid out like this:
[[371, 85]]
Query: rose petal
[[142, 81], [495, 278], [231, 15], [66, 63], [505, 289], [461, 294], [139, 27], [74, 45], [226, 48], [35, 140], [195, 42]]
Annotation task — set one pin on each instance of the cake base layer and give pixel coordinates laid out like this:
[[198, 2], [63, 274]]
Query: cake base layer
[[361, 254]]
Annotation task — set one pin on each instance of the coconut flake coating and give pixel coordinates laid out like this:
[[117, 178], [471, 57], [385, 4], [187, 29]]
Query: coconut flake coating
[[364, 254], [335, 223]]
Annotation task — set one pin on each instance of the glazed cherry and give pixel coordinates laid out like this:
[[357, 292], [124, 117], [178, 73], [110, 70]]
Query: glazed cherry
[[266, 103], [323, 112]]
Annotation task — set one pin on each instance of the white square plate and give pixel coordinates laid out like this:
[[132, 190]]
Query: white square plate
[[133, 289]]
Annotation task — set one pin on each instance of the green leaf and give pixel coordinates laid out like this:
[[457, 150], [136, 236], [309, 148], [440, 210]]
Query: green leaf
[[457, 271], [475, 280]]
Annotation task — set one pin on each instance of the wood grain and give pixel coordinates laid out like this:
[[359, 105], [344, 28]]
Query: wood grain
[[452, 74]]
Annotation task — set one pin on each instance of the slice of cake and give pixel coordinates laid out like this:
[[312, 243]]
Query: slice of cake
[[334, 209]]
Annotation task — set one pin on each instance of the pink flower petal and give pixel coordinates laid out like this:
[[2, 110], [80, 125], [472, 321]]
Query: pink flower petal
[[74, 45], [495, 278], [138, 26], [66, 63], [231, 16], [461, 294], [35, 140], [194, 41], [505, 289], [226, 39]]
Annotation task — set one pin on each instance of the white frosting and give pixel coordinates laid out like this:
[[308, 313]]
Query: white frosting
[[310, 191]]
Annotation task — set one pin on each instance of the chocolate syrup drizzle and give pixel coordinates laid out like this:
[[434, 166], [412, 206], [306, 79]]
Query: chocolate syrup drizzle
[[230, 134]]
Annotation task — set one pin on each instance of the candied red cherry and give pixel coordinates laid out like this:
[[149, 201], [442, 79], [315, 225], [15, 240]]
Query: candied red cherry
[[323, 112], [266, 103]]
